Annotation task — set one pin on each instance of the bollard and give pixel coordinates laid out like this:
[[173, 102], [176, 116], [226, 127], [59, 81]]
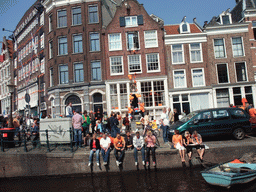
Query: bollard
[[24, 138], [71, 140], [2, 142], [47, 141]]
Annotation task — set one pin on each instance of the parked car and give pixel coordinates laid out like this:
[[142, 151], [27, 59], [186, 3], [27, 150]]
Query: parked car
[[215, 122]]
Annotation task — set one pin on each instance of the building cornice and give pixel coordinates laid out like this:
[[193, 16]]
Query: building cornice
[[225, 29], [185, 38], [50, 4]]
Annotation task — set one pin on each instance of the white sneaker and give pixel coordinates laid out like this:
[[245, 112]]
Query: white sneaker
[[143, 162], [136, 163], [105, 163], [98, 164], [117, 163], [120, 163], [89, 164]]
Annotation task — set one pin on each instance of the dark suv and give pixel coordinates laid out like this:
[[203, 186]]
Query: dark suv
[[213, 122]]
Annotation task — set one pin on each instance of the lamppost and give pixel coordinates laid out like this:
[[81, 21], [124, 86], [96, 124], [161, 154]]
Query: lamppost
[[11, 87]]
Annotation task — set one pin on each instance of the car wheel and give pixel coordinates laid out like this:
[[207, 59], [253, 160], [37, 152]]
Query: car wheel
[[238, 134]]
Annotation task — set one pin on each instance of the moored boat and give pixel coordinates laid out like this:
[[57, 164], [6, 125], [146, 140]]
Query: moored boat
[[228, 174]]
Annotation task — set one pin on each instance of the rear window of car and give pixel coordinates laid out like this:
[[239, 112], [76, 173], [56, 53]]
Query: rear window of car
[[220, 115], [237, 114]]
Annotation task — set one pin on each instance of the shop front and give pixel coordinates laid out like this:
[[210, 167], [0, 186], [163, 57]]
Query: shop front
[[191, 100], [154, 95], [22, 105]]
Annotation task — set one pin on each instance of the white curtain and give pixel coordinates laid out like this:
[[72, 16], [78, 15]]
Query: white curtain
[[199, 101]]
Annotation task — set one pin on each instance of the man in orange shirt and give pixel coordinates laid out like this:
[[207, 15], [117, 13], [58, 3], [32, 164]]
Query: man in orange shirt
[[119, 145]]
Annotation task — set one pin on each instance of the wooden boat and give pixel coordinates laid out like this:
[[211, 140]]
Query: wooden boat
[[228, 174]]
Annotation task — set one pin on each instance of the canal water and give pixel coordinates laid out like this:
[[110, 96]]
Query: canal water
[[142, 180]]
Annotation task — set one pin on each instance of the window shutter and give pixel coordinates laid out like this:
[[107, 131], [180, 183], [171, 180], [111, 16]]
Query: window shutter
[[140, 20], [122, 22]]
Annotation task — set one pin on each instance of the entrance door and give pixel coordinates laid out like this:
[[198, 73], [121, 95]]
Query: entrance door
[[97, 102], [76, 102]]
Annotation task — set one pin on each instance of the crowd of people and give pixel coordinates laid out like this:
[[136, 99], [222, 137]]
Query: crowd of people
[[102, 134]]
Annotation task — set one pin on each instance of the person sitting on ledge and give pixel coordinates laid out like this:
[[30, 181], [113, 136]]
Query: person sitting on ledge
[[178, 144], [197, 139], [119, 145], [95, 148], [187, 141], [150, 141], [105, 148]]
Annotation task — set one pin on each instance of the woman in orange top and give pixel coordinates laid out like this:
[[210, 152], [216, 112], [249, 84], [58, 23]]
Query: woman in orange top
[[178, 144]]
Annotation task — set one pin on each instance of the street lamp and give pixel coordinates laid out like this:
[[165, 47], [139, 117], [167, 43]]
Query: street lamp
[[11, 87]]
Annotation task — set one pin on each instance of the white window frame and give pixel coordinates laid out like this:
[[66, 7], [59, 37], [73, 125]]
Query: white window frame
[[133, 44], [49, 22], [218, 74], [188, 26], [130, 17], [42, 41], [109, 41], [42, 19], [192, 75], [225, 14], [183, 62], [246, 72], [185, 79], [146, 38], [201, 54], [51, 77], [50, 50], [242, 40], [153, 71], [116, 74], [42, 65], [27, 49], [224, 49], [129, 64]]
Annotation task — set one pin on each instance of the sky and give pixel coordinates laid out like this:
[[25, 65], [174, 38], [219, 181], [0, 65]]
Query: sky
[[171, 11]]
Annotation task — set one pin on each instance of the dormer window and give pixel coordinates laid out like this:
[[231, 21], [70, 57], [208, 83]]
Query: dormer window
[[184, 27], [225, 18]]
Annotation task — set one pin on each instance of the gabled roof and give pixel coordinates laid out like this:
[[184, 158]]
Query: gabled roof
[[175, 29]]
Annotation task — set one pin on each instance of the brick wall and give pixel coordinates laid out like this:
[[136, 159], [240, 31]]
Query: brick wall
[[230, 60], [149, 24]]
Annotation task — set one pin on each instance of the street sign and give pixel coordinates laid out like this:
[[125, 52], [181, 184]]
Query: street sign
[[27, 97]]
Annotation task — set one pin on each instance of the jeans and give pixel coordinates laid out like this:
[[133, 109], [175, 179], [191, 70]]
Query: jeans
[[153, 149], [119, 158], [78, 136], [114, 131], [136, 154], [165, 133], [97, 156], [105, 155], [85, 130]]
